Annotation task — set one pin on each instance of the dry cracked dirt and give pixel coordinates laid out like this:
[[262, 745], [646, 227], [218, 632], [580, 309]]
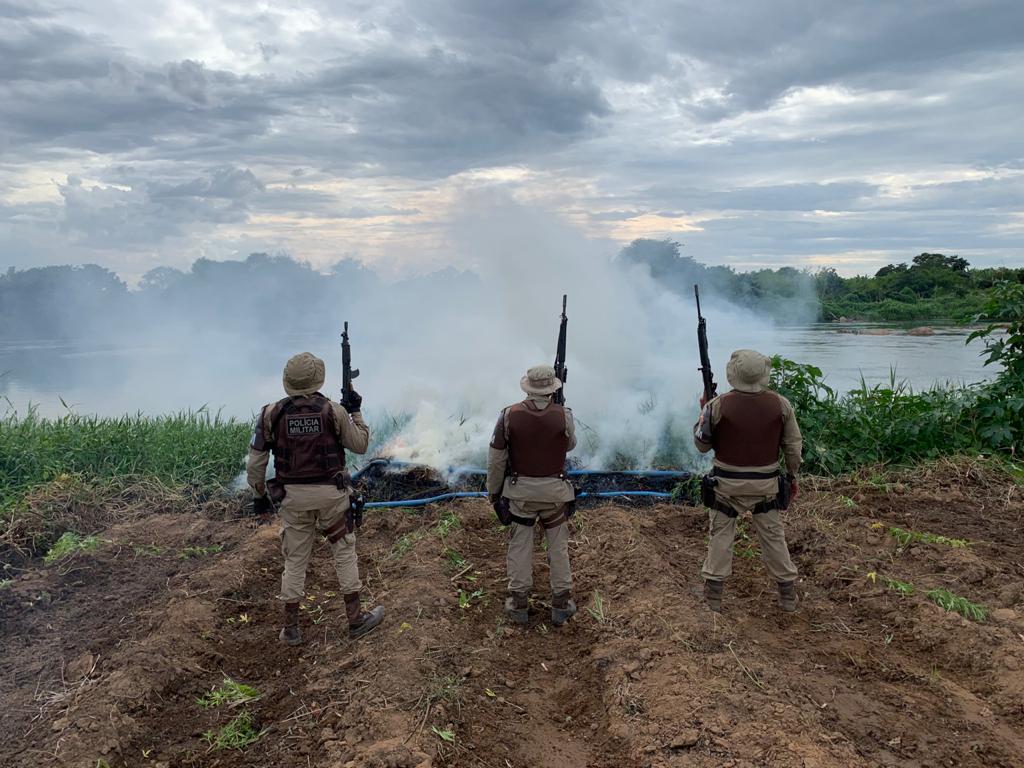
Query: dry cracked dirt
[[106, 655]]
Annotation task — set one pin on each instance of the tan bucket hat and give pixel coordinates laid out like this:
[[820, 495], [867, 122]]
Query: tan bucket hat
[[748, 371], [303, 374], [540, 380]]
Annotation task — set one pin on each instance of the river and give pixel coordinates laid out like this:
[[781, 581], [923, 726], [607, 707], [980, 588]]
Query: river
[[112, 380]]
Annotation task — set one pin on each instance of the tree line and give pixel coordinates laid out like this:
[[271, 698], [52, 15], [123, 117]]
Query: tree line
[[932, 286], [71, 302]]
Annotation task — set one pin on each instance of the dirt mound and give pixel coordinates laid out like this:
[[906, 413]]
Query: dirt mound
[[106, 655]]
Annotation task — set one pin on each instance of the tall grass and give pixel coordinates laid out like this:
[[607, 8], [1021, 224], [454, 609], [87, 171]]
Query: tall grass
[[194, 448]]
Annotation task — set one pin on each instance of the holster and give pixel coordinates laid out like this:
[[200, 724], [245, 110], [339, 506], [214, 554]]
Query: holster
[[707, 491], [785, 492], [570, 509], [354, 516], [503, 510], [276, 490]]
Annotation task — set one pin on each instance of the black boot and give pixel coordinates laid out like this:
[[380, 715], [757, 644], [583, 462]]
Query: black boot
[[290, 632], [788, 600], [563, 608], [359, 621], [713, 594], [517, 607]]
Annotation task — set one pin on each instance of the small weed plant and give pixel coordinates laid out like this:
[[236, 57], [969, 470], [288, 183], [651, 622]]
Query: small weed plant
[[904, 588], [448, 523], [71, 543], [189, 552], [743, 545], [229, 692], [444, 734], [904, 538], [237, 734], [956, 604], [466, 599], [597, 608], [455, 560]]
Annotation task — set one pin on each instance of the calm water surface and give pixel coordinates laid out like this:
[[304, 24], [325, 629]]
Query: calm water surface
[[114, 380]]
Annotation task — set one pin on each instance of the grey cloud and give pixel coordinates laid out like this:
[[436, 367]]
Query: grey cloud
[[152, 212], [441, 86]]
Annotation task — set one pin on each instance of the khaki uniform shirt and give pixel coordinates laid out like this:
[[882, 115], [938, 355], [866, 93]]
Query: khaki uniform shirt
[[548, 489], [353, 435], [792, 446]]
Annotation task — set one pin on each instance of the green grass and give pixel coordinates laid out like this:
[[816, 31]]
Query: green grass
[[71, 543], [196, 551], [229, 692], [956, 604], [83, 462], [188, 448], [237, 734], [904, 537]]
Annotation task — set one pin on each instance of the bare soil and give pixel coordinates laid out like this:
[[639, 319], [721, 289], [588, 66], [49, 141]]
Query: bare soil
[[105, 655]]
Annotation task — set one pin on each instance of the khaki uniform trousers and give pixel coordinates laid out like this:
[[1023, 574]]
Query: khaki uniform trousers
[[770, 534], [307, 511], [520, 546]]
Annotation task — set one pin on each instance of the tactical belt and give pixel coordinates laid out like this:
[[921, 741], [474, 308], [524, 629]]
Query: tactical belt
[[514, 477], [760, 508], [738, 475]]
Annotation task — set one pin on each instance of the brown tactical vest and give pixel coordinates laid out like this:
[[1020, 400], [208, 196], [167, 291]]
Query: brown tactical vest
[[537, 442], [749, 429], [305, 440]]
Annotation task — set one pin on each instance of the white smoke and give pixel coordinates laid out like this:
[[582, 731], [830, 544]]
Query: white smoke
[[440, 354], [632, 359]]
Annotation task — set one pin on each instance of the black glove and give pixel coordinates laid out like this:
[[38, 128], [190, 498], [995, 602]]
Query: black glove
[[501, 509], [261, 506], [353, 402]]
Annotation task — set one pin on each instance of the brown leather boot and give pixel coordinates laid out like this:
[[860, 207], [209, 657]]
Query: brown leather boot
[[290, 632], [788, 600], [517, 607], [359, 621], [713, 594], [563, 608]]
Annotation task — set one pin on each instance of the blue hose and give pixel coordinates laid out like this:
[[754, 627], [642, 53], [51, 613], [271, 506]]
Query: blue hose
[[571, 473], [481, 494]]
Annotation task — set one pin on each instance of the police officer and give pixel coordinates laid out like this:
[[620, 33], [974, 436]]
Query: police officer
[[747, 427], [308, 435], [526, 483]]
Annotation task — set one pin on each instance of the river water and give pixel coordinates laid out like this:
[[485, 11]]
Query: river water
[[112, 380]]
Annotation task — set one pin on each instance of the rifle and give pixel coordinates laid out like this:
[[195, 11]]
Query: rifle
[[347, 373], [560, 370], [710, 388]]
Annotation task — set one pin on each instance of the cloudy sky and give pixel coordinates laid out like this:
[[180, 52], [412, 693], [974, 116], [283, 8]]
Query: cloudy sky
[[135, 133]]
